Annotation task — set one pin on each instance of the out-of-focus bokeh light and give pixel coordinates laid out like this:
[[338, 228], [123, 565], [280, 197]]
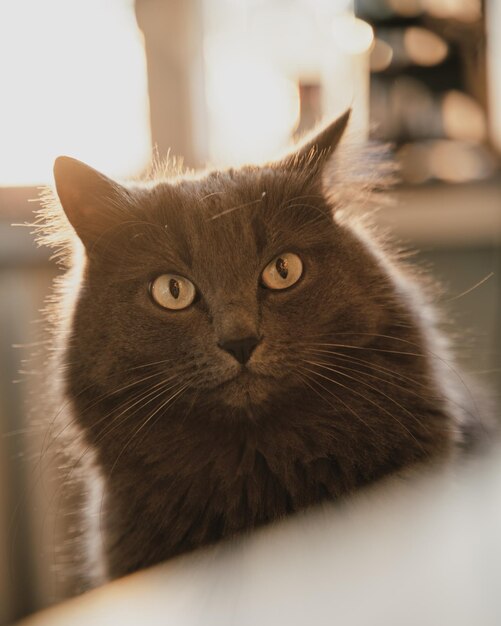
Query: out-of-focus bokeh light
[[381, 56], [352, 35], [459, 162], [424, 47], [463, 118], [406, 8], [461, 10], [493, 25], [413, 159], [74, 82], [445, 160]]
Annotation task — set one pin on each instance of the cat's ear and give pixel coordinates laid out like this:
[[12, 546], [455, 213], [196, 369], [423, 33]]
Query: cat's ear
[[314, 152], [92, 202]]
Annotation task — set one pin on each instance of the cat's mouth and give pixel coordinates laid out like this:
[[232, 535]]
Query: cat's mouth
[[243, 379], [242, 389]]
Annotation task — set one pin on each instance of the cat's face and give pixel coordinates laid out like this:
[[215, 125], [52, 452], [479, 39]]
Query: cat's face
[[236, 352], [224, 282], [212, 248]]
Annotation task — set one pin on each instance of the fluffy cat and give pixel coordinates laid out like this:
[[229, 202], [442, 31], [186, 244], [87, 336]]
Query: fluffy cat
[[234, 350]]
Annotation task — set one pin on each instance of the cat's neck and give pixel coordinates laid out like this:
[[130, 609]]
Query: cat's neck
[[200, 485]]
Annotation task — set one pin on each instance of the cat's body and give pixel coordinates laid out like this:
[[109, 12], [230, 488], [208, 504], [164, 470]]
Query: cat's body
[[251, 402]]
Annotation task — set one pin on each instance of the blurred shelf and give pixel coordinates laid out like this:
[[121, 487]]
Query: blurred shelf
[[18, 246], [463, 215]]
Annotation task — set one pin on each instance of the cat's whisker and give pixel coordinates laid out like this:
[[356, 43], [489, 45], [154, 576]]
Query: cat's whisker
[[428, 354], [170, 403], [315, 196], [370, 348], [306, 225], [366, 398], [130, 402], [146, 421], [295, 202], [235, 208], [330, 392], [170, 400], [405, 390], [106, 432], [133, 400], [335, 370], [55, 438], [388, 375], [376, 366], [211, 195], [149, 394], [95, 402], [435, 396], [66, 404]]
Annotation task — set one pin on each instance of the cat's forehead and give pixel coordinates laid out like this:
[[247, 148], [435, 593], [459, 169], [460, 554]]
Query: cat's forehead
[[216, 222], [249, 192], [222, 193], [232, 209], [228, 222]]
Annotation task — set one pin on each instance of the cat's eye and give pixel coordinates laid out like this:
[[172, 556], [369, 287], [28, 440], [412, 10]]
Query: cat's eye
[[284, 271], [174, 292]]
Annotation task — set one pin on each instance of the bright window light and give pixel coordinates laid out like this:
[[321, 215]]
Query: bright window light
[[259, 57], [253, 109], [73, 81]]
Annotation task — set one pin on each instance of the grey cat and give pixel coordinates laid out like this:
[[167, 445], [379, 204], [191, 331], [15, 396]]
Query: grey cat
[[235, 350]]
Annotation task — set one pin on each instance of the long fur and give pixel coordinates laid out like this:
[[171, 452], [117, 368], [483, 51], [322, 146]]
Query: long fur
[[352, 381]]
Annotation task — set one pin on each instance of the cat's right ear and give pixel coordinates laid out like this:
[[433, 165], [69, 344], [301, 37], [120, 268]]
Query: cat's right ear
[[91, 200], [314, 152]]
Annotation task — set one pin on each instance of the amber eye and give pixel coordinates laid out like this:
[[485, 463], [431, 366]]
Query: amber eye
[[173, 292], [283, 271]]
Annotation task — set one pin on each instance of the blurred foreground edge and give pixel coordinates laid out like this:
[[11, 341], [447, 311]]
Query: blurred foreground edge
[[415, 551]]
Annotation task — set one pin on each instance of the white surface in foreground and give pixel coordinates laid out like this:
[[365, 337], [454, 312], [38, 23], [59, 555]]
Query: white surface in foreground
[[421, 552]]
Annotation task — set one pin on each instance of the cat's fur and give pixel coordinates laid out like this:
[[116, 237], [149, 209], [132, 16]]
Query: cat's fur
[[350, 382]]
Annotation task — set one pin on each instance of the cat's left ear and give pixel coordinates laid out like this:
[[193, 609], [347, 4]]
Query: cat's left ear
[[93, 203], [314, 152]]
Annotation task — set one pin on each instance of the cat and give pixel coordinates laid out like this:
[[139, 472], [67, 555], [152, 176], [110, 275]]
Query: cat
[[235, 348]]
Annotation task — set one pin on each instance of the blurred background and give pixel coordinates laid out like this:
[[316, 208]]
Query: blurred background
[[231, 81]]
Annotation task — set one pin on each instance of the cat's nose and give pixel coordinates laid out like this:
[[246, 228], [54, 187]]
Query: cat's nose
[[241, 349]]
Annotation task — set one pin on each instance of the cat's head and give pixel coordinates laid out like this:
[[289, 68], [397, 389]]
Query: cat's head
[[219, 287]]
